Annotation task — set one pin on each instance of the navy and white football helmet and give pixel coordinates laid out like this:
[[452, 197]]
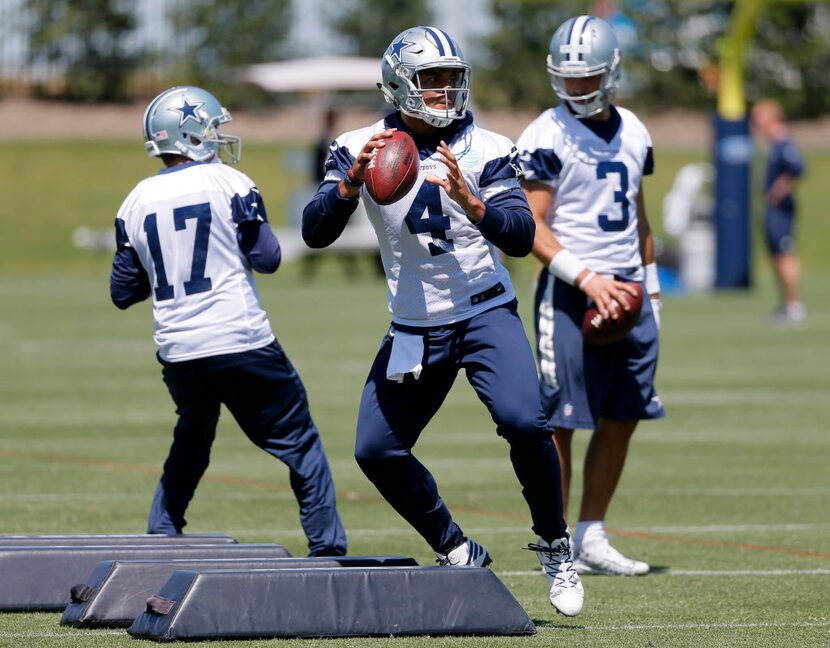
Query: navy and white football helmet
[[185, 121], [581, 47], [417, 49]]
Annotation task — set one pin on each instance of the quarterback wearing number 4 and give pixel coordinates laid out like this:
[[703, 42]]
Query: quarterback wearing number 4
[[452, 304], [583, 164], [191, 236]]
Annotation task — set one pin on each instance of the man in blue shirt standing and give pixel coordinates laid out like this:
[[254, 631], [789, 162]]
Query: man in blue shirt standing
[[784, 168]]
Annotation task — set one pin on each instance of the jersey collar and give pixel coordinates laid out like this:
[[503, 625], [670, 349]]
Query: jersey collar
[[180, 167], [428, 145], [605, 130]]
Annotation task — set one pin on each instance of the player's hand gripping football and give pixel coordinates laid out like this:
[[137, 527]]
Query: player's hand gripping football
[[456, 186], [358, 170], [607, 293]]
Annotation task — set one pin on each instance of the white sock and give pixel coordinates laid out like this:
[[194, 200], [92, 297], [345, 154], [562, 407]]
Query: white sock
[[587, 531]]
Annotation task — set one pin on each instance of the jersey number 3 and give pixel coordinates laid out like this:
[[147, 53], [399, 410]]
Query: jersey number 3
[[606, 223], [198, 281]]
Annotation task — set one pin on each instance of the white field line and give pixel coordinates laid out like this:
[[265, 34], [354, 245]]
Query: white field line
[[697, 626], [516, 530], [611, 628], [706, 572]]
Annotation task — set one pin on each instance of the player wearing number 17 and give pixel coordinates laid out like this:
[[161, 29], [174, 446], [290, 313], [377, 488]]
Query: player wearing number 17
[[191, 236], [584, 163], [452, 304]]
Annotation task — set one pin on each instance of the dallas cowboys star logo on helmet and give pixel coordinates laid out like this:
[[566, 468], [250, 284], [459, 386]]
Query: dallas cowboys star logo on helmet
[[399, 45], [188, 111]]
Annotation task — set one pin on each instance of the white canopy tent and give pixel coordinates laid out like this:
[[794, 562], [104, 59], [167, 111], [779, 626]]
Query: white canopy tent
[[320, 74], [321, 77]]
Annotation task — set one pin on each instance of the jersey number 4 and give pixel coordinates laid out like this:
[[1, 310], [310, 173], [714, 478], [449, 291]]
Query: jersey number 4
[[607, 223], [198, 281], [426, 217]]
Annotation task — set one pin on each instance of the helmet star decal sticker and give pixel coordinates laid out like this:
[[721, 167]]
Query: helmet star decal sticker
[[399, 45], [188, 111]]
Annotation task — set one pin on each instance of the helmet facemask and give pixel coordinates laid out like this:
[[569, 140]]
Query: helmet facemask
[[583, 47], [411, 56], [594, 102]]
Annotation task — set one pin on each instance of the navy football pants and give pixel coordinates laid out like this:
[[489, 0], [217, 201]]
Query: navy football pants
[[493, 350], [264, 394]]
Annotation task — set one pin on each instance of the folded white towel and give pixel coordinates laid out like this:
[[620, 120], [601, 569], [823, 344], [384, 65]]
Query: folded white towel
[[407, 354]]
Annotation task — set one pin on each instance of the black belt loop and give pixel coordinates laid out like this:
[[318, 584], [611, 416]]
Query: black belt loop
[[495, 291]]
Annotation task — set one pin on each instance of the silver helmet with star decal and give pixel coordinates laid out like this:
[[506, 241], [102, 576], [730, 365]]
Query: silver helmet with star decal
[[585, 46], [185, 121], [405, 64]]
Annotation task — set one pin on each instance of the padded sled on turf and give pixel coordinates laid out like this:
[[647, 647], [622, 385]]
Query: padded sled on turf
[[119, 539], [39, 578], [331, 603], [116, 591]]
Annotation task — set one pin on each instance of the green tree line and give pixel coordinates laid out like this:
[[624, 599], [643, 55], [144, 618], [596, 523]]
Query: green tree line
[[669, 47]]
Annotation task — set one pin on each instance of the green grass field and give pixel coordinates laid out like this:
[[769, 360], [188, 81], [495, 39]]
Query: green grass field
[[727, 496]]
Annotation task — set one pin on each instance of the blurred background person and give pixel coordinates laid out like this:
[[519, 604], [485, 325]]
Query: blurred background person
[[784, 167]]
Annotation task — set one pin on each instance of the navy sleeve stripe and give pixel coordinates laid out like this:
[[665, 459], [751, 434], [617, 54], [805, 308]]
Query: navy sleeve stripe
[[541, 164], [248, 208], [121, 239], [503, 168], [648, 165], [340, 159]]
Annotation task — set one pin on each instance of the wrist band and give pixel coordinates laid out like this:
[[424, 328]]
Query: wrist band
[[566, 266], [350, 180], [587, 279], [652, 280]]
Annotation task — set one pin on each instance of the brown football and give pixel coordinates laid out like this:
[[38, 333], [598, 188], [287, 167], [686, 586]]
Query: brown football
[[598, 331], [393, 170]]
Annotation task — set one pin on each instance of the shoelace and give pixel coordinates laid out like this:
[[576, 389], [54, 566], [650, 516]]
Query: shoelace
[[557, 557]]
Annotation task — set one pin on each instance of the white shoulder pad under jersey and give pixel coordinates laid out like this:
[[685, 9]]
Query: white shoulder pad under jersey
[[181, 224], [595, 182], [439, 267]]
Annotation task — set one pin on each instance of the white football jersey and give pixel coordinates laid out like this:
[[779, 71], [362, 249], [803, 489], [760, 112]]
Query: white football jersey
[[437, 262], [205, 301], [595, 182]]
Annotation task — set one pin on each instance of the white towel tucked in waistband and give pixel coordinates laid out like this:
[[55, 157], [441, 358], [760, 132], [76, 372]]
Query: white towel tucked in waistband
[[407, 354]]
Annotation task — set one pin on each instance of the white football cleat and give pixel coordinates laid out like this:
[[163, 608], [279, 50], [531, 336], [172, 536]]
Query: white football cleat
[[599, 557], [469, 554], [564, 587]]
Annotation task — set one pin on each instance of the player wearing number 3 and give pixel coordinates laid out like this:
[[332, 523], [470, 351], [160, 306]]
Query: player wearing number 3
[[191, 236], [584, 163], [452, 304]]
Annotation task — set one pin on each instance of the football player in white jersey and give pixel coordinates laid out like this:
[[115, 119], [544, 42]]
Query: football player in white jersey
[[583, 164], [452, 304], [190, 237]]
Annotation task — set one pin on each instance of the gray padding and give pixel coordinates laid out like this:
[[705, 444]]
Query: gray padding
[[117, 590], [119, 539], [331, 603], [40, 578]]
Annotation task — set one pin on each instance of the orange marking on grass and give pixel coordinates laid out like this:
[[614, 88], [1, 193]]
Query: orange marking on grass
[[377, 499], [659, 537]]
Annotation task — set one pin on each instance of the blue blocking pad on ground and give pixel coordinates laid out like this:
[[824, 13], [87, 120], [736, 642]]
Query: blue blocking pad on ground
[[116, 591], [367, 601], [117, 539], [40, 578]]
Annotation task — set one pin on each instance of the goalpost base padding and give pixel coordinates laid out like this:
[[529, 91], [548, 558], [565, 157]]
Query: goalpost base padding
[[381, 601], [40, 578], [116, 591]]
